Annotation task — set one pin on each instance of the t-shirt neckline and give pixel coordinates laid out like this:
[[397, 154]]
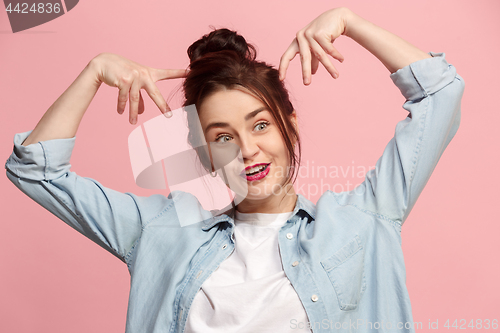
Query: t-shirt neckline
[[261, 219]]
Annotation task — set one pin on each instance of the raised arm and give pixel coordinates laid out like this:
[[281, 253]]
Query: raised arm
[[432, 90], [64, 116], [40, 162], [314, 42], [393, 51]]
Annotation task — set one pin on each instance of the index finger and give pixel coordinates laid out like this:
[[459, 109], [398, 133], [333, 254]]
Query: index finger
[[287, 57], [164, 74]]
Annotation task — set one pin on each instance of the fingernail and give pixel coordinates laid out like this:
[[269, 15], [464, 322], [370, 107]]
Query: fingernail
[[168, 114], [134, 121]]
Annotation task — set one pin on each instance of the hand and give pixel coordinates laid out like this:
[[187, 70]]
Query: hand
[[130, 77], [317, 38]]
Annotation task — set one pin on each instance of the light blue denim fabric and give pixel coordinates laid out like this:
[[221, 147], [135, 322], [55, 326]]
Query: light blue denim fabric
[[351, 273]]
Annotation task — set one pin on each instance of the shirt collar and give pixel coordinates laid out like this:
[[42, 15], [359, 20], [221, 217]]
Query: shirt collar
[[227, 213]]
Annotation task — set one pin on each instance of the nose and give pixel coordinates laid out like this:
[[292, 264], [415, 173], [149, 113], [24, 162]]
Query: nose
[[249, 148]]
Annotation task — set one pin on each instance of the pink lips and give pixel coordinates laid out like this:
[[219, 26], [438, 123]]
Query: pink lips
[[257, 176]]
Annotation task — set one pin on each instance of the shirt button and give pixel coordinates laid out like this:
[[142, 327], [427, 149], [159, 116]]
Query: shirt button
[[314, 298], [224, 246], [289, 236], [295, 263]]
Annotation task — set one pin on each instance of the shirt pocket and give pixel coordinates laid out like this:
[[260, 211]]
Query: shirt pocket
[[345, 269]]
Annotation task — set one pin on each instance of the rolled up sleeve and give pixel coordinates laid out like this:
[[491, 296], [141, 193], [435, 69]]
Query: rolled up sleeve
[[433, 91], [40, 161]]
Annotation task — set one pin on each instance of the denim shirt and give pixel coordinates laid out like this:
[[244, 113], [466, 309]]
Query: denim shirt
[[350, 275]]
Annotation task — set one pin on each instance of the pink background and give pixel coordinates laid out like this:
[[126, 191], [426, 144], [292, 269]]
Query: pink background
[[55, 280]]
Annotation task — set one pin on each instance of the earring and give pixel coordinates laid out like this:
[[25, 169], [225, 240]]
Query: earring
[[213, 174]]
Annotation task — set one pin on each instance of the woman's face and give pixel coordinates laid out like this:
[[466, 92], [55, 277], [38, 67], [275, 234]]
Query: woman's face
[[234, 116]]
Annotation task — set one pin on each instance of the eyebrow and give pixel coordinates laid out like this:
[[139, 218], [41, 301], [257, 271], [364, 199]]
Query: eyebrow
[[249, 116]]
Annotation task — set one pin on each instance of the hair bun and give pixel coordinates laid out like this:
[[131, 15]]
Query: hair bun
[[220, 40]]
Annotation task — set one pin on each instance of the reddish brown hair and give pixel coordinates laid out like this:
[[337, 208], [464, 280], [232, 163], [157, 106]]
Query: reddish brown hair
[[223, 60]]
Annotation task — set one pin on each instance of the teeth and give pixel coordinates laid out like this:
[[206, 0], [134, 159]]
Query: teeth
[[256, 169]]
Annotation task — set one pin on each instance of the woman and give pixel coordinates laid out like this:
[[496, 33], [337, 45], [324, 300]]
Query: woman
[[277, 262]]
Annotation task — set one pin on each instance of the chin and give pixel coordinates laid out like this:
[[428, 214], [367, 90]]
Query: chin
[[262, 191]]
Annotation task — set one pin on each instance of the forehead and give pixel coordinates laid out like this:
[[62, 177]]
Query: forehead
[[230, 103]]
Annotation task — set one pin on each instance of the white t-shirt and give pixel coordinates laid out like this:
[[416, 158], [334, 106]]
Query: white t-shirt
[[249, 292]]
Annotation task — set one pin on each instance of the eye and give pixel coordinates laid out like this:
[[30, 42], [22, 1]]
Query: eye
[[224, 137], [261, 126]]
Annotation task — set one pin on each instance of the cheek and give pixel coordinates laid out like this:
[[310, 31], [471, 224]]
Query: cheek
[[277, 148]]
